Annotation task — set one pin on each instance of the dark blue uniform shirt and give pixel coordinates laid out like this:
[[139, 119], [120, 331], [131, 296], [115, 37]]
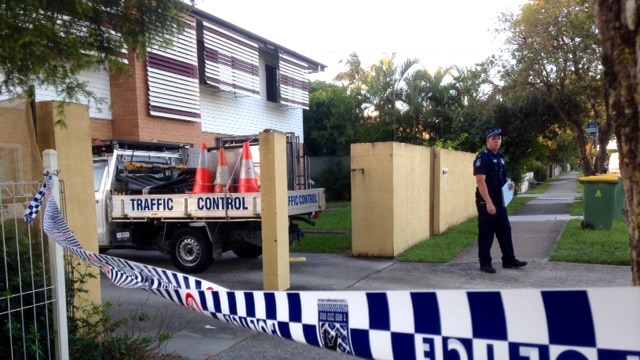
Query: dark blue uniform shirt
[[495, 170]]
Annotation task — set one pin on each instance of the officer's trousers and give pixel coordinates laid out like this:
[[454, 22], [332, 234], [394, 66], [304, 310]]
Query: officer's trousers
[[490, 225]]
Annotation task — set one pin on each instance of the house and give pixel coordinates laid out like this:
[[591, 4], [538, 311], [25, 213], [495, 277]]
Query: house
[[216, 79]]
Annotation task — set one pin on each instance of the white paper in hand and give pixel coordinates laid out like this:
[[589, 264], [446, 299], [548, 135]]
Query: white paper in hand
[[507, 194]]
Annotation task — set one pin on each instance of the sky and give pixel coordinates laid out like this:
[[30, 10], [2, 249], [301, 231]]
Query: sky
[[439, 33]]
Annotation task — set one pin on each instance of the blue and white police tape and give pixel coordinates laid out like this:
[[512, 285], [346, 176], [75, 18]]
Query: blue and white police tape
[[558, 324], [445, 324], [123, 273]]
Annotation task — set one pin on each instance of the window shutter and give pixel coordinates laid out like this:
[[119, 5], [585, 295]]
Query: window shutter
[[231, 62], [172, 76], [294, 85]]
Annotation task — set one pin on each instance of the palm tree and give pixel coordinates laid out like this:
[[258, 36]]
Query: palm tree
[[381, 90], [440, 100], [353, 73]]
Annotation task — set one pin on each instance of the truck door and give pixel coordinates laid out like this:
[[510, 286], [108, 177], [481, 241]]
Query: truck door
[[100, 175]]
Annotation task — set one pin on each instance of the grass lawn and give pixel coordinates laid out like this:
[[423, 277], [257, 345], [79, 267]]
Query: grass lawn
[[444, 247], [336, 218], [593, 247], [575, 244]]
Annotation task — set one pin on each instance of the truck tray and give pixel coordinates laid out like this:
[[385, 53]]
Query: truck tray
[[214, 206]]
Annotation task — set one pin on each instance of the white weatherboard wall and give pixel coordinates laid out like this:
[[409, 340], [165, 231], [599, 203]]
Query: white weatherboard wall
[[97, 82], [229, 113], [232, 114]]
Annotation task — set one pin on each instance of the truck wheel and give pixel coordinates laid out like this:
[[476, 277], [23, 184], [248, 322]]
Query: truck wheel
[[191, 250], [246, 250]]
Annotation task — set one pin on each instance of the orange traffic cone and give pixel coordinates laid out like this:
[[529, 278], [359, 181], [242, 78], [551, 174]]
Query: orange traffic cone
[[223, 176], [203, 182], [248, 181]]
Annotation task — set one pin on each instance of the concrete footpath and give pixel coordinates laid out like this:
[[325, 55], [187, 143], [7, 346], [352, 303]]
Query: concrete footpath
[[536, 228], [538, 225]]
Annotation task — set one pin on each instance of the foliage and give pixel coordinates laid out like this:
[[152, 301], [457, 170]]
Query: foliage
[[336, 180], [439, 105], [540, 173], [561, 144], [381, 90], [94, 334], [451, 144], [332, 122], [451, 108], [62, 38], [555, 51], [524, 119]]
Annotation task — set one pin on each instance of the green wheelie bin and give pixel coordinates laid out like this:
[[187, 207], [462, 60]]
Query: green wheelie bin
[[618, 205], [601, 197]]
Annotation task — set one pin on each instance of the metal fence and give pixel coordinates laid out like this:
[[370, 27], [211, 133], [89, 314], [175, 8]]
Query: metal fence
[[27, 296]]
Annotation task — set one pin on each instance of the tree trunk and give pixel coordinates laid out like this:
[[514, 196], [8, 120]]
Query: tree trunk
[[604, 134], [619, 31], [585, 159]]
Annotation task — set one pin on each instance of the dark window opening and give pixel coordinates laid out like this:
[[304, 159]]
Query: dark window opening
[[273, 83]]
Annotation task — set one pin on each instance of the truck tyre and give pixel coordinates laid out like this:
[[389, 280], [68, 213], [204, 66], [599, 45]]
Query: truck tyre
[[247, 250], [191, 251]]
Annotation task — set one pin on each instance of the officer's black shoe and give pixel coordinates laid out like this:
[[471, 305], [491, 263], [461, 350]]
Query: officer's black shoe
[[514, 264], [488, 269]]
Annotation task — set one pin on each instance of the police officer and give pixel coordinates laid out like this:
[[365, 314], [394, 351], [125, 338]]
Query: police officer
[[490, 171]]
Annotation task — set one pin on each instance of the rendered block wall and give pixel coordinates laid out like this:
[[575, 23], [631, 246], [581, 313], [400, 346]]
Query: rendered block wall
[[390, 197], [73, 145], [275, 222], [19, 156], [454, 189]]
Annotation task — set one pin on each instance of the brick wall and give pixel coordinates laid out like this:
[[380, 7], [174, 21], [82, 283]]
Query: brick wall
[[101, 129], [131, 119]]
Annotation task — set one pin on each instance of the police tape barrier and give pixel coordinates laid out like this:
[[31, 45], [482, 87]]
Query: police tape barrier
[[532, 324]]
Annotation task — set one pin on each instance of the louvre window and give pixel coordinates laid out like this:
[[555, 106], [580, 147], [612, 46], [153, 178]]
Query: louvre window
[[172, 76], [231, 63], [294, 85]]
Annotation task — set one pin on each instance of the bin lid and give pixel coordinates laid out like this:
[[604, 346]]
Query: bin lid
[[608, 178]]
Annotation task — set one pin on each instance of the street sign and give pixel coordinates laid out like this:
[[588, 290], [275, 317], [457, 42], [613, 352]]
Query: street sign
[[592, 130]]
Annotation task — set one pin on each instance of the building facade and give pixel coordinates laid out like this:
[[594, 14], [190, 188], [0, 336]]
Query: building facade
[[216, 79]]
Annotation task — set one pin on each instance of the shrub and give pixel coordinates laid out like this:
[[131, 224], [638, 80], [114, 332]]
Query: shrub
[[94, 334], [540, 173], [336, 180]]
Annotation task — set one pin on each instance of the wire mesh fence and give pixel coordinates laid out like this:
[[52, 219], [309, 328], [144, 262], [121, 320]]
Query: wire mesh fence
[[26, 300]]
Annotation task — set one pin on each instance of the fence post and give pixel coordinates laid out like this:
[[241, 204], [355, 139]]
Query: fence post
[[56, 262]]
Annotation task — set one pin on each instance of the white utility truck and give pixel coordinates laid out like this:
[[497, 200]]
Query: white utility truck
[[144, 200]]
